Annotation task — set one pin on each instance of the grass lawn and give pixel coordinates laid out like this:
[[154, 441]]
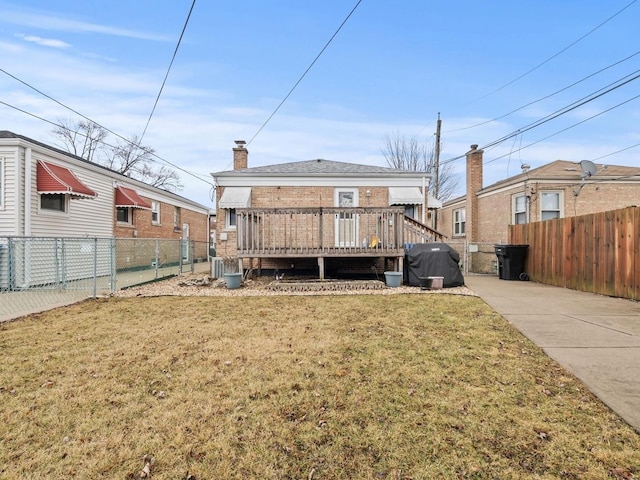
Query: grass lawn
[[300, 387]]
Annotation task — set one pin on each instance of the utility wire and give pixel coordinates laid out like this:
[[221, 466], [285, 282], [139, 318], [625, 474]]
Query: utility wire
[[578, 103], [102, 141], [175, 52], [617, 151], [126, 140], [305, 73], [546, 96], [583, 101], [556, 54], [568, 128]]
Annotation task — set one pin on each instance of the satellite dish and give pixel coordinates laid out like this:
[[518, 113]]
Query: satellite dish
[[588, 168]]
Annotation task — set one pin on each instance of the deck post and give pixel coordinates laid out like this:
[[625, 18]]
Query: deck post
[[321, 267]]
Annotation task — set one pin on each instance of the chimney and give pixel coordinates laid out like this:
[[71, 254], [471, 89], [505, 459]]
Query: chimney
[[474, 185], [240, 155]]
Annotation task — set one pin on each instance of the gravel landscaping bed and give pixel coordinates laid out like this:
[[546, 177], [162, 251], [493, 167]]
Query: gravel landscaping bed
[[203, 285]]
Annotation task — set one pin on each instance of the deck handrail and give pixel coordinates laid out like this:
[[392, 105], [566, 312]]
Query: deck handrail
[[319, 231], [326, 231], [417, 232]]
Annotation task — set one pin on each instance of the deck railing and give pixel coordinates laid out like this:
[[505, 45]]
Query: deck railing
[[329, 231], [416, 232]]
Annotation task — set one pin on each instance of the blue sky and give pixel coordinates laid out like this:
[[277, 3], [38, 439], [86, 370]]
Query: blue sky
[[392, 67]]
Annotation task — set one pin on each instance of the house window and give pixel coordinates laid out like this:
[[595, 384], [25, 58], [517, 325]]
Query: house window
[[519, 209], [124, 215], [550, 205], [232, 219], [410, 211], [155, 213], [176, 219], [56, 202], [459, 221]]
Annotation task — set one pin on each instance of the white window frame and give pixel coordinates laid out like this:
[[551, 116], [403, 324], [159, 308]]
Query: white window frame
[[54, 211], [515, 212], [155, 211], [230, 219], [560, 209], [129, 220], [459, 225]]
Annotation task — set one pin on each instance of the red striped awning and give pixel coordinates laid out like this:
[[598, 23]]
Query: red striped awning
[[56, 179], [128, 197]]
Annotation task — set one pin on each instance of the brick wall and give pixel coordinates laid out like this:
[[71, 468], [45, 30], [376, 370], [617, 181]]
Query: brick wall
[[494, 211], [144, 228]]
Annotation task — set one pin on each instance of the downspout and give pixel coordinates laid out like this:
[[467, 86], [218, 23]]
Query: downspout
[[27, 192], [424, 202]]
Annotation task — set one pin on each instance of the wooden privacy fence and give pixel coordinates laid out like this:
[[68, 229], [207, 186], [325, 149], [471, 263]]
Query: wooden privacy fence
[[598, 253]]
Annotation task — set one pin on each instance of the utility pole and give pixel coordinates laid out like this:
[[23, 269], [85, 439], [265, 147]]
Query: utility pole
[[436, 168]]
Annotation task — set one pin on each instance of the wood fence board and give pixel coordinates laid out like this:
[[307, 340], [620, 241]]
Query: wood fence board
[[597, 253]]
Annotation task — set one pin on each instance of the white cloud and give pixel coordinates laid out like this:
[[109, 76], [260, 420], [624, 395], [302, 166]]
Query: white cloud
[[46, 21], [45, 42]]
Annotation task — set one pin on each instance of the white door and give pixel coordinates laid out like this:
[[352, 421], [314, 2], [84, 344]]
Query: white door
[[346, 223]]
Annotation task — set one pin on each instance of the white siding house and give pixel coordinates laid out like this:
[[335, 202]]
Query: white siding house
[[46, 192]]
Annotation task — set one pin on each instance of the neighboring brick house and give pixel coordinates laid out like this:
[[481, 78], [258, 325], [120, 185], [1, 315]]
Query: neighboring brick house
[[317, 214], [47, 192], [557, 189]]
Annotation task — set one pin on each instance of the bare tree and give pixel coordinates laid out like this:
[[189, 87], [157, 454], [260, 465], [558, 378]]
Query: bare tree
[[414, 155], [82, 139], [134, 160], [88, 140]]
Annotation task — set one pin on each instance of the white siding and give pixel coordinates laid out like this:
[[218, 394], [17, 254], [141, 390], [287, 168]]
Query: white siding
[[9, 208], [85, 216]]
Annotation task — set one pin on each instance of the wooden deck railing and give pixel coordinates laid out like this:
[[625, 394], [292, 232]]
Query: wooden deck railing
[[327, 231], [416, 232]]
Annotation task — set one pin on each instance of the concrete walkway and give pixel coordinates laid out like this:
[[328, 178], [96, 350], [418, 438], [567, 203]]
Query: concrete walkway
[[596, 338]]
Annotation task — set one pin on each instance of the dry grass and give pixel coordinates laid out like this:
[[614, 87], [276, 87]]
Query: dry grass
[[315, 387]]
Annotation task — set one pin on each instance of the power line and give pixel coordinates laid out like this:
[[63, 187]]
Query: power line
[[556, 54], [564, 110], [126, 140], [568, 128], [578, 103], [175, 52], [305, 73], [616, 152], [546, 96], [102, 141]]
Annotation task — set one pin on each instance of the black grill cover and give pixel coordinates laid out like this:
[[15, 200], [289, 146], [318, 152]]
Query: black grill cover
[[433, 260]]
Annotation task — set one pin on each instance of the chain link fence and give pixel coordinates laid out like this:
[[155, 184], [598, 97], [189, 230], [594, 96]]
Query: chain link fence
[[39, 273]]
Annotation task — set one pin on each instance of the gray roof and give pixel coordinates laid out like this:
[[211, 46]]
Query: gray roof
[[317, 167]]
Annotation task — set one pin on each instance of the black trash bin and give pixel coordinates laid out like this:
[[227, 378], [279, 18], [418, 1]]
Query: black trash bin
[[511, 261]]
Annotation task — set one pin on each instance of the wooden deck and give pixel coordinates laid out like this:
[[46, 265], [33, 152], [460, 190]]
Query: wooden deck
[[329, 232]]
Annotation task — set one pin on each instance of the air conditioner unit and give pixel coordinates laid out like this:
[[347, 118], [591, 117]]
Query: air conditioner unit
[[217, 267]]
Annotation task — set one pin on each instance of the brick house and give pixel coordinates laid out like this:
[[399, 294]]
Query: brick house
[[555, 190], [319, 216], [47, 192]]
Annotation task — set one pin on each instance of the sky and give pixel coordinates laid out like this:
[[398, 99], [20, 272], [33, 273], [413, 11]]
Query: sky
[[490, 69]]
